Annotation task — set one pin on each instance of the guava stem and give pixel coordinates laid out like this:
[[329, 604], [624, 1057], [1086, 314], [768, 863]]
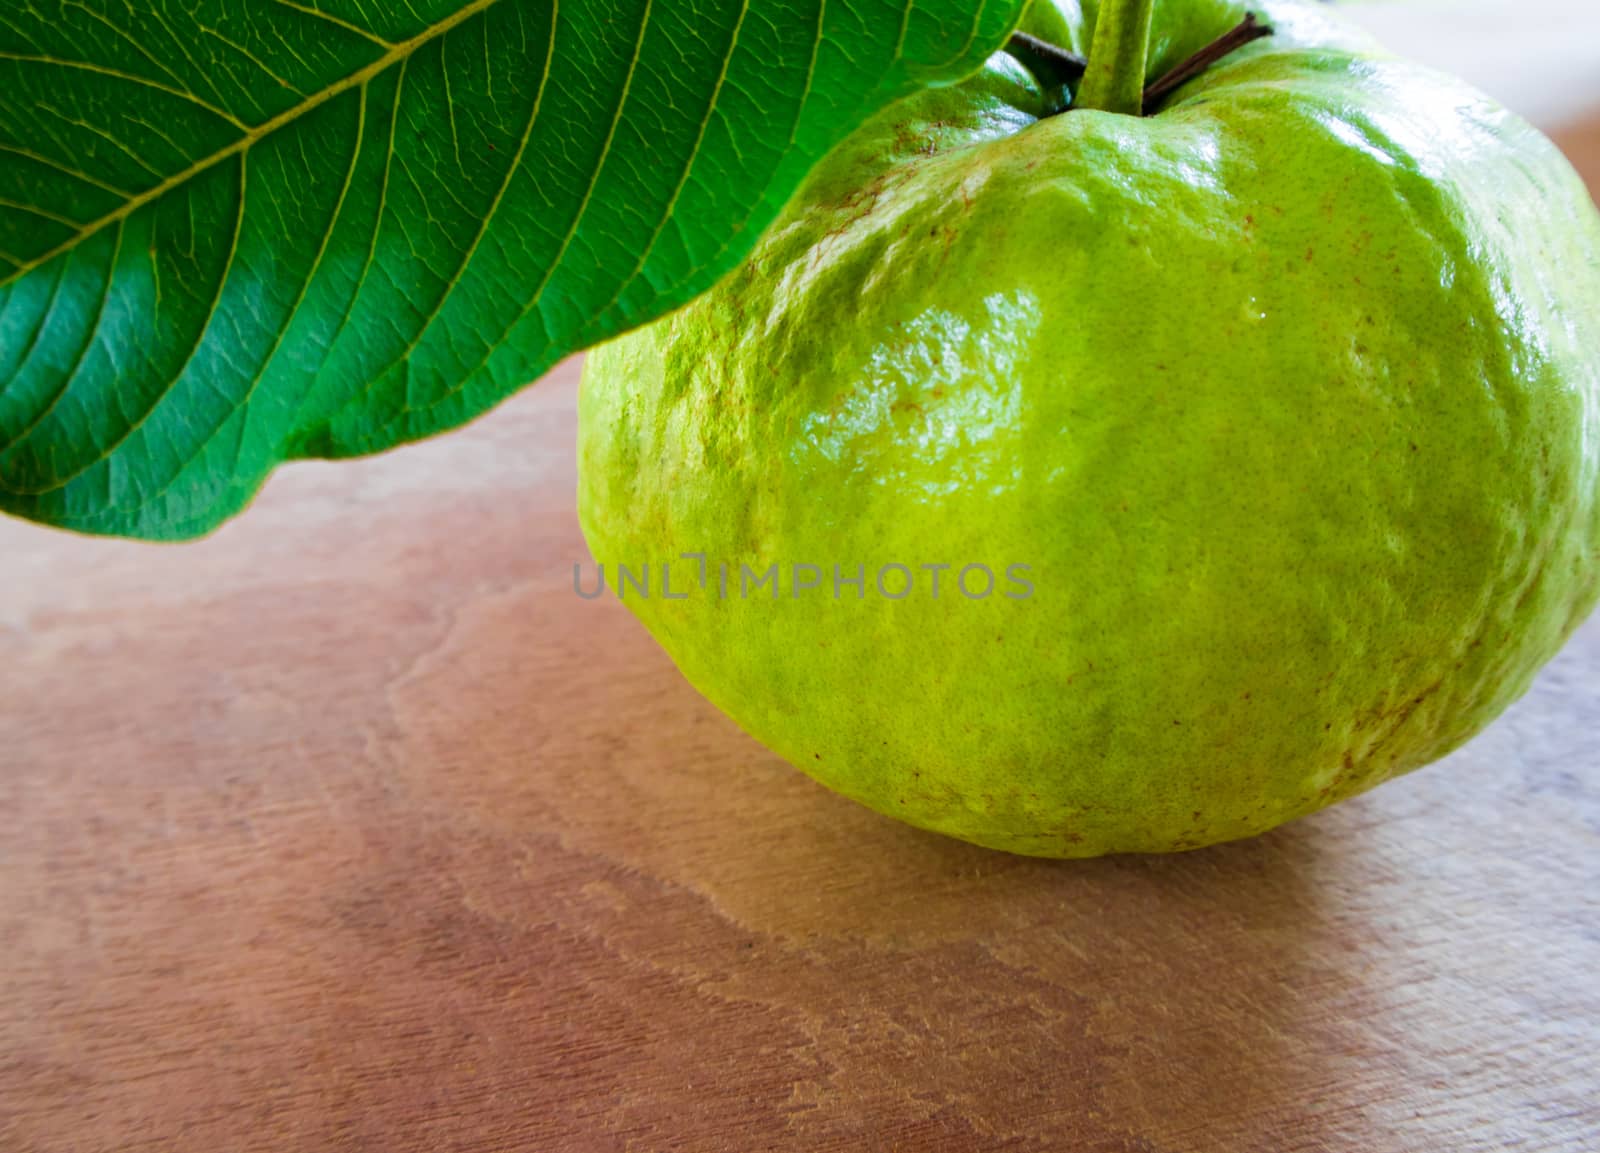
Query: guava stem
[[1114, 81], [1062, 65], [1241, 34]]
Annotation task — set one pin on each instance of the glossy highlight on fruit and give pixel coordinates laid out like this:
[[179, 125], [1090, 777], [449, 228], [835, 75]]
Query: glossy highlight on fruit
[[1285, 399]]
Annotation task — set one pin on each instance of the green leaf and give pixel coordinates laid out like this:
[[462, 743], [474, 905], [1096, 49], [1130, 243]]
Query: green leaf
[[236, 232]]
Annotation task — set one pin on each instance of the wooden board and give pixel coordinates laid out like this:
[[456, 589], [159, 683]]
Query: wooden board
[[352, 828]]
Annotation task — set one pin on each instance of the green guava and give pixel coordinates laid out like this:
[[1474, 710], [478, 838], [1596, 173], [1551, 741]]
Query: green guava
[[1133, 483]]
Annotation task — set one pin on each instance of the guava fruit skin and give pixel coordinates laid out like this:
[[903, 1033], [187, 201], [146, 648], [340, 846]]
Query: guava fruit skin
[[1288, 396]]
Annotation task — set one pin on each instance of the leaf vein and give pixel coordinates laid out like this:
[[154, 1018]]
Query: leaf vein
[[34, 210], [488, 217], [38, 329], [77, 360], [313, 100], [683, 177], [266, 69], [811, 72], [132, 78], [577, 220], [194, 349], [124, 35], [372, 247], [331, 19]]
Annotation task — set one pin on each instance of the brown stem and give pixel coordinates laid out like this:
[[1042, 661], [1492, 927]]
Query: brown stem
[[1035, 53], [1246, 31]]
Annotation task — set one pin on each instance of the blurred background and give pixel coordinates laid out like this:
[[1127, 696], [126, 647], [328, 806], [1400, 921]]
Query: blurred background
[[1540, 58]]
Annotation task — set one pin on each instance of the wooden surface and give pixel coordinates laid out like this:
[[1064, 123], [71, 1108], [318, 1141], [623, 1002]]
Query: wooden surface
[[352, 828]]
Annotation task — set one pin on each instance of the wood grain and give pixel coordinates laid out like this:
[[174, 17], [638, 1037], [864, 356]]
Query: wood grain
[[351, 828]]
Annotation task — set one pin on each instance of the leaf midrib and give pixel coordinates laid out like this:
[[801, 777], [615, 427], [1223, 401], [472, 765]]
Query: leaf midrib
[[313, 100]]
